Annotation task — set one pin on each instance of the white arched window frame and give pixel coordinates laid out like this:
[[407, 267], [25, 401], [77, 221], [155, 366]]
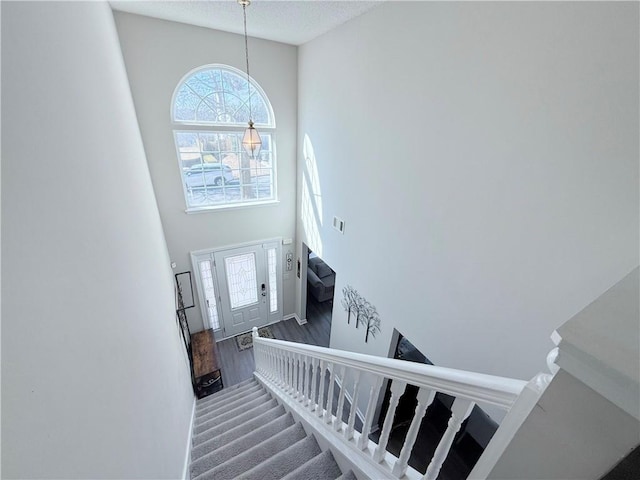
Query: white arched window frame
[[209, 113]]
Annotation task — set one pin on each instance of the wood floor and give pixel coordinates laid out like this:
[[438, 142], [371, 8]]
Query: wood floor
[[238, 366]]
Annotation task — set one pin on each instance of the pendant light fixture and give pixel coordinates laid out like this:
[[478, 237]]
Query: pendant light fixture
[[251, 140]]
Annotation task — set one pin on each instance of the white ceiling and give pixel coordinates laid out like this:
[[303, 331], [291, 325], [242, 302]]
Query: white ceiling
[[287, 21]]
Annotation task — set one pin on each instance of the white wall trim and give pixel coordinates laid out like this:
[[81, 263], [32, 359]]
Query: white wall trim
[[295, 315], [187, 458]]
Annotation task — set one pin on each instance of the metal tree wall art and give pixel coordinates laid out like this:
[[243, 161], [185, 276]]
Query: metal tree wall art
[[348, 300], [373, 325], [364, 312]]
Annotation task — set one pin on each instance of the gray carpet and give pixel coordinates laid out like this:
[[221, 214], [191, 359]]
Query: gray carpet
[[242, 432]]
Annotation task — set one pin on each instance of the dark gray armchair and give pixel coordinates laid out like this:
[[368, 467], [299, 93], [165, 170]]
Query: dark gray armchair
[[320, 280]]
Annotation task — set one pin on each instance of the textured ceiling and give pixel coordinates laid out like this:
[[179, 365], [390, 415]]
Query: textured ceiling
[[293, 22]]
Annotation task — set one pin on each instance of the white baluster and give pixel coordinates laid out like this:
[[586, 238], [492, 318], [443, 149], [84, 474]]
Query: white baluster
[[397, 390], [276, 366], [309, 372], [314, 369], [300, 373], [294, 377], [296, 369], [354, 406], [363, 441], [267, 352], [425, 398], [332, 381], [272, 364], [303, 393], [323, 371], [337, 422], [460, 410], [283, 370], [290, 373]]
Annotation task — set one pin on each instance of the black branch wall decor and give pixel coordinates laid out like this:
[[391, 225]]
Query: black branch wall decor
[[348, 300], [363, 312], [373, 325]]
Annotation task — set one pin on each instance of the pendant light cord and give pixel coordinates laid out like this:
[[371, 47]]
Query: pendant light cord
[[246, 53]]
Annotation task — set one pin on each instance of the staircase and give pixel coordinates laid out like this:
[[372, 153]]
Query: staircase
[[251, 430], [243, 432]]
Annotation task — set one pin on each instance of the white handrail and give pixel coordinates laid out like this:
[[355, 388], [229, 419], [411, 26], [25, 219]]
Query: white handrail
[[292, 370], [474, 386]]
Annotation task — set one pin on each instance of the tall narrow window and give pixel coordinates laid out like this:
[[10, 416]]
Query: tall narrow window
[[273, 280], [206, 275], [209, 113]]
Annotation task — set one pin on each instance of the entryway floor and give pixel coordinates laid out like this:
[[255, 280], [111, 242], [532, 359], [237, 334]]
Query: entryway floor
[[239, 366]]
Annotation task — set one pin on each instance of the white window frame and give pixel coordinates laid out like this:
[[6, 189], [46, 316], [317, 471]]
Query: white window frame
[[213, 128]]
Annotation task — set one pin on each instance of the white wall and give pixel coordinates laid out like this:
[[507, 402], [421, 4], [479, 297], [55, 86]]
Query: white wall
[[572, 433], [484, 157], [95, 381], [158, 54]]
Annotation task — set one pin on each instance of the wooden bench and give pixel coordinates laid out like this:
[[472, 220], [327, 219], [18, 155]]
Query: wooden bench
[[206, 370]]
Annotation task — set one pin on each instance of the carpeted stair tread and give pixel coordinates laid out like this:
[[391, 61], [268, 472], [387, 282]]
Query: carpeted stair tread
[[225, 392], [234, 433], [347, 476], [320, 467], [212, 407], [256, 456], [284, 462], [233, 422], [239, 407], [227, 407], [240, 445]]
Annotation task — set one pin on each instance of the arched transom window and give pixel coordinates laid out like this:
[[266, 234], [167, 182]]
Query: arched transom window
[[209, 113]]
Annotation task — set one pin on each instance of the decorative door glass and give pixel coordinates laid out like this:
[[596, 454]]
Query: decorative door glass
[[242, 279]]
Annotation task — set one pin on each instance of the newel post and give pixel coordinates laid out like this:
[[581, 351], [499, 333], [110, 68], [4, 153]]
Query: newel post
[[254, 335]]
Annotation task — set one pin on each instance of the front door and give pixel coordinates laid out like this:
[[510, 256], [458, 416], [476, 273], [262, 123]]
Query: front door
[[239, 287], [243, 288]]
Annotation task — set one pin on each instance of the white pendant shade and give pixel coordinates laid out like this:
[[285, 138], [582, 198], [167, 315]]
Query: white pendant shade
[[251, 141]]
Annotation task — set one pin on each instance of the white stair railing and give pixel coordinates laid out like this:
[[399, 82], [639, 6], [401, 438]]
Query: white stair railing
[[296, 373]]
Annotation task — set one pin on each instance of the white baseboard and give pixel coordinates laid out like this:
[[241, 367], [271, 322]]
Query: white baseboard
[[295, 315], [187, 459]]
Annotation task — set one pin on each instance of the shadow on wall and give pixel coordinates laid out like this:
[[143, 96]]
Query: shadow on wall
[[311, 213]]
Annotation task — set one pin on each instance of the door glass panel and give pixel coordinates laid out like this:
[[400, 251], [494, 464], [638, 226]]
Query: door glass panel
[[273, 284], [206, 275], [241, 279]]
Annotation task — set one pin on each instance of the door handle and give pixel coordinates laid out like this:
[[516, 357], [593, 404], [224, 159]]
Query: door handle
[[264, 290]]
